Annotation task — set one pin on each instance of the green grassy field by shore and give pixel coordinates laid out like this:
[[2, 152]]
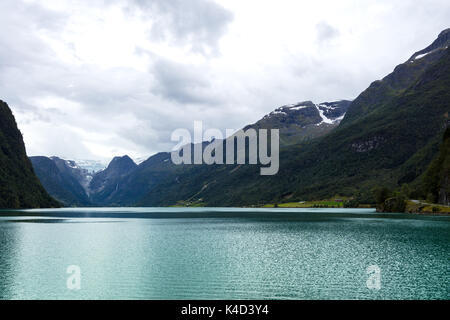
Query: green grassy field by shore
[[333, 203], [412, 206], [415, 206]]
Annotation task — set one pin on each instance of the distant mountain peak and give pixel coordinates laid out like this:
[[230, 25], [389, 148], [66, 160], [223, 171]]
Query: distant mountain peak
[[299, 105], [323, 113], [106, 183], [444, 33], [122, 162], [303, 120], [125, 157], [441, 43], [401, 78]]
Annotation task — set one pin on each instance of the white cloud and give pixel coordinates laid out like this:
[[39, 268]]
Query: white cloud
[[100, 78]]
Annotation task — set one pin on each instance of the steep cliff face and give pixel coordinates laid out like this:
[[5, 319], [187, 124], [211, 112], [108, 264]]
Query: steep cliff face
[[63, 180], [19, 186]]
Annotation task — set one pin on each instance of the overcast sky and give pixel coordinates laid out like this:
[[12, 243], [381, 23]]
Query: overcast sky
[[94, 79]]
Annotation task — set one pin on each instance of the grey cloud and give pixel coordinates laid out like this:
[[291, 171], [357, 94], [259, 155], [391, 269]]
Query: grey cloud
[[18, 37], [199, 23], [326, 32], [136, 110], [181, 83], [23, 55]]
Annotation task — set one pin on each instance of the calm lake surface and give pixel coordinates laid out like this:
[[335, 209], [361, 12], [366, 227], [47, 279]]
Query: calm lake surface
[[204, 253]]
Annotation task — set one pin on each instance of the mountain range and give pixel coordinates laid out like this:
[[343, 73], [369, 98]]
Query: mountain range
[[390, 135], [124, 182]]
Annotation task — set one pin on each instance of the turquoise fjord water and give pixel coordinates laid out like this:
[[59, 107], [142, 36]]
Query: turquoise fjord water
[[204, 253]]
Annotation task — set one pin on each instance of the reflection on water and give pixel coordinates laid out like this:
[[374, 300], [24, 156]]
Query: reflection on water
[[153, 253]]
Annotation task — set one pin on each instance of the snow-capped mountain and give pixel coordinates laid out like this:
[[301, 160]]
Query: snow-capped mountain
[[82, 175], [63, 179], [304, 120], [436, 48], [78, 183], [91, 165]]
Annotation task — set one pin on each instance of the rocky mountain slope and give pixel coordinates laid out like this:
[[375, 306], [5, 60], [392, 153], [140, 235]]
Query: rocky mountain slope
[[64, 180], [304, 120]]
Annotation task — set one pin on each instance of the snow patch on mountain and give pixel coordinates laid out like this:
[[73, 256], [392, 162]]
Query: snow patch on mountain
[[420, 56], [296, 108], [91, 165], [278, 112], [332, 107], [72, 164], [338, 120], [322, 115]]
